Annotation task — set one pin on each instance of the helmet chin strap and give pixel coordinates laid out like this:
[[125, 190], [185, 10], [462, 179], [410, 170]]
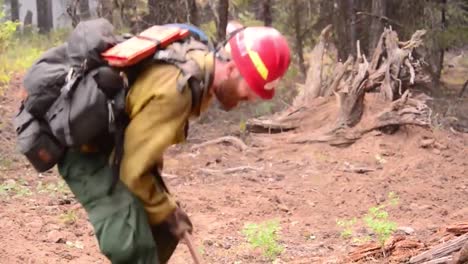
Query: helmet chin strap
[[219, 53]]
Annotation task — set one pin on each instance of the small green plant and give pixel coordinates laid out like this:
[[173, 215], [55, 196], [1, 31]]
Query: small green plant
[[15, 188], [58, 188], [377, 219], [69, 217], [264, 236], [347, 226], [201, 250], [242, 126]]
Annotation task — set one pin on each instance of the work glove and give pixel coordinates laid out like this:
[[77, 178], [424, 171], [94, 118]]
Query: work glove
[[178, 223], [169, 232]]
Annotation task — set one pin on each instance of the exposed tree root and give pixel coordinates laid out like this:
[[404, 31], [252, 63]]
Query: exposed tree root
[[229, 171], [404, 111], [230, 139]]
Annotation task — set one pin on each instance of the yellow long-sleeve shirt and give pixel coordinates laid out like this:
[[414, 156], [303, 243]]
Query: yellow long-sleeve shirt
[[159, 114]]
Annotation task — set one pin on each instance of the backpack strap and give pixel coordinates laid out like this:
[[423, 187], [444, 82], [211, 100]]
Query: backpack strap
[[192, 75], [197, 79], [119, 124]]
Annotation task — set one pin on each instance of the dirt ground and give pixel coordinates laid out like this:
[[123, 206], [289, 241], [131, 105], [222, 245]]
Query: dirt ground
[[306, 187]]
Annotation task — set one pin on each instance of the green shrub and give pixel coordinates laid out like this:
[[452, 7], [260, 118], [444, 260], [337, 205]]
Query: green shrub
[[21, 50], [7, 31]]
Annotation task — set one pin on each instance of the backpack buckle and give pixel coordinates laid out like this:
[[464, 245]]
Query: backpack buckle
[[111, 120], [70, 81]]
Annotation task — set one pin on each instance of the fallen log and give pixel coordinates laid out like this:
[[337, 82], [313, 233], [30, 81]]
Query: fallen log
[[458, 229], [442, 260], [396, 247], [462, 256], [363, 252], [442, 251]]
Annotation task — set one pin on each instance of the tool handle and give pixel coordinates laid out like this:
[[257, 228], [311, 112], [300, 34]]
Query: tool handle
[[193, 252]]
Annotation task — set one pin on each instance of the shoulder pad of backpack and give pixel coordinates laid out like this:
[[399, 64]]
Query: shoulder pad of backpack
[[143, 45]]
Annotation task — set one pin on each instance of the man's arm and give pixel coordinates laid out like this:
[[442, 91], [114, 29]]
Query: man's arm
[[157, 125]]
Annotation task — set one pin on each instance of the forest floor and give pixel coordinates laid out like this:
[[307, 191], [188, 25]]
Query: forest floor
[[306, 188]]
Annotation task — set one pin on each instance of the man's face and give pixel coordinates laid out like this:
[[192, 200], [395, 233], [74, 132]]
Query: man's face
[[233, 89]]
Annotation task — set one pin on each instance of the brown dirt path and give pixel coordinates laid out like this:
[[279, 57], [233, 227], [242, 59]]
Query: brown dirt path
[[305, 187]]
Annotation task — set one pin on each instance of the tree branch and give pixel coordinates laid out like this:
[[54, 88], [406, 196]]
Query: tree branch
[[380, 17]]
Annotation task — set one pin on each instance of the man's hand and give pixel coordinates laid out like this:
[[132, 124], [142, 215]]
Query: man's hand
[[179, 223]]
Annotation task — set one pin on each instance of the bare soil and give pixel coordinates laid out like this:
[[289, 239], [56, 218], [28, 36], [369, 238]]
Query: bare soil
[[307, 187]]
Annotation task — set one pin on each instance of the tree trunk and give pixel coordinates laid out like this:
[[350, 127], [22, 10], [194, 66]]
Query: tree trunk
[[193, 17], [266, 13], [72, 11], [442, 49], [298, 36], [28, 18], [44, 16], [379, 10], [14, 10], [339, 17], [84, 10], [167, 11], [352, 26], [222, 12], [105, 9], [152, 11]]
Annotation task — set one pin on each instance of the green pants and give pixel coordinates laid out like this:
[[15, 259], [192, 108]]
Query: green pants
[[119, 220]]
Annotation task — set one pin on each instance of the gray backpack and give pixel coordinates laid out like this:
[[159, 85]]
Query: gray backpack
[[74, 95]]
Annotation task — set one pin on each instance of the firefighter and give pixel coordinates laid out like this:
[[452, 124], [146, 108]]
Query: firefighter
[[140, 221]]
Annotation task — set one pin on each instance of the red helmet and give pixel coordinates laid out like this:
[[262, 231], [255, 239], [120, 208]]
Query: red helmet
[[262, 56]]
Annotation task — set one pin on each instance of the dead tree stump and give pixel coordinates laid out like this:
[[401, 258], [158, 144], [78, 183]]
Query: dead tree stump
[[369, 95]]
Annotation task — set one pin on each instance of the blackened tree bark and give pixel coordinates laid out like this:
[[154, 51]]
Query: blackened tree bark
[[28, 19], [351, 11], [84, 10], [443, 28], [167, 11], [192, 11], [14, 10], [152, 10], [379, 10], [105, 9], [298, 33], [44, 16], [339, 18], [73, 12], [267, 13], [223, 12]]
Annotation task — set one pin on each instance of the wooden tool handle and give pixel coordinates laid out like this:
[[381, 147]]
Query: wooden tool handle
[[193, 252]]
